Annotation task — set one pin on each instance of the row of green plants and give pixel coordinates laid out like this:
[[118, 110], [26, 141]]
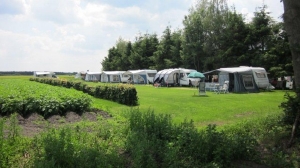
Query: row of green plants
[[146, 140], [25, 97], [123, 93]]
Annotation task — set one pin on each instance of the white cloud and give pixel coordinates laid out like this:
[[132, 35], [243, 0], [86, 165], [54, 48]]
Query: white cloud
[[75, 35], [250, 6]]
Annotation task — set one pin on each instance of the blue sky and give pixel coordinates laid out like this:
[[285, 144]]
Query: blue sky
[[75, 35]]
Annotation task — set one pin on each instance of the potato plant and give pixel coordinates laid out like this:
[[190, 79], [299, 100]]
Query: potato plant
[[27, 97]]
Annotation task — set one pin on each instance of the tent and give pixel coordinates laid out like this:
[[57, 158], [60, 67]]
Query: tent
[[176, 76], [111, 76], [241, 79], [159, 76], [144, 76], [92, 76]]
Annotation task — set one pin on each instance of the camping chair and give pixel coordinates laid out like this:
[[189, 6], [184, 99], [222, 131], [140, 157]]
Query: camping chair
[[224, 88], [216, 88]]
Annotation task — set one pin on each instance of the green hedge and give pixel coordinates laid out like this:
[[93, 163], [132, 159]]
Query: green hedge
[[123, 93]]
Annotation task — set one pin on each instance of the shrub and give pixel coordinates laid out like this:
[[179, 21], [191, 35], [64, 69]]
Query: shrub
[[153, 141], [123, 94], [76, 148]]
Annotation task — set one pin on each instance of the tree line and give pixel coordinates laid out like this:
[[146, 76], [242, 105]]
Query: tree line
[[213, 36]]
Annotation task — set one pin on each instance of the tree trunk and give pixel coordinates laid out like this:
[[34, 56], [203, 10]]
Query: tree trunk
[[295, 125], [291, 18]]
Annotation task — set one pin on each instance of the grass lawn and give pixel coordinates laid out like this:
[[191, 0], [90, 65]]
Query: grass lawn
[[184, 103]]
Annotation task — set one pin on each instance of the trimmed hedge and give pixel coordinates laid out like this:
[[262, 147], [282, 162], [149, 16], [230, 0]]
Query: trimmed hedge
[[123, 93]]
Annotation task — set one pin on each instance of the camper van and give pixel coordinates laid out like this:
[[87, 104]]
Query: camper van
[[175, 77]]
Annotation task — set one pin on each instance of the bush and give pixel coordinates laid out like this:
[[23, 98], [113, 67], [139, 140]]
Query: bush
[[290, 108], [153, 141], [123, 94], [76, 148]]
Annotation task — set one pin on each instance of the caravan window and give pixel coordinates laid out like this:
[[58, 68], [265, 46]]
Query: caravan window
[[260, 74], [115, 78], [248, 81]]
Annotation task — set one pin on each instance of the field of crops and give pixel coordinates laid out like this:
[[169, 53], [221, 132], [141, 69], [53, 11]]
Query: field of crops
[[25, 97]]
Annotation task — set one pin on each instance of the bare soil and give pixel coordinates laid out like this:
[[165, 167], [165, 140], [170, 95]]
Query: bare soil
[[34, 123]]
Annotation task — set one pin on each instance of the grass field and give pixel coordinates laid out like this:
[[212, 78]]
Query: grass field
[[184, 103]]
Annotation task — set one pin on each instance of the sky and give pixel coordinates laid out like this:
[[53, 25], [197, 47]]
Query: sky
[[75, 35]]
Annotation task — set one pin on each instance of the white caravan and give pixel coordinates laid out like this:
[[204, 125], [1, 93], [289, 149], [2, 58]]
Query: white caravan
[[258, 74], [111, 76], [260, 77], [93, 76], [139, 76], [44, 74]]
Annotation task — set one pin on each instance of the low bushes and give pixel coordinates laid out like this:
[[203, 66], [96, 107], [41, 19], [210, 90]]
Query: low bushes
[[153, 141], [25, 97], [146, 140], [123, 94]]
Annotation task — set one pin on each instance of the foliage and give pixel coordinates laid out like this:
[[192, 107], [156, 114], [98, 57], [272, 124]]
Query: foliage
[[76, 148], [290, 108], [12, 144], [123, 94], [25, 98], [153, 141]]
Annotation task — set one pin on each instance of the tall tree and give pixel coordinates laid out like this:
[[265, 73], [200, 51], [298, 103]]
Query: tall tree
[[162, 56], [110, 63], [192, 41], [260, 33], [292, 25], [232, 42], [176, 48], [203, 28], [142, 51], [278, 58]]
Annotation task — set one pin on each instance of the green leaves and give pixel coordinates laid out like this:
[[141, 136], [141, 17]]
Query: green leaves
[[26, 97]]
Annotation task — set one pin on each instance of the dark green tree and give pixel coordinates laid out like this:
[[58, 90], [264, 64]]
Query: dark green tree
[[142, 51], [278, 58], [232, 50], [291, 18], [192, 53], [111, 62], [259, 35], [162, 57], [176, 48], [203, 29]]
